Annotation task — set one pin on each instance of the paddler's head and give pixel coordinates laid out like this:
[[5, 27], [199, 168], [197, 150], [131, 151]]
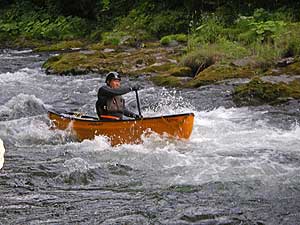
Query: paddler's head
[[113, 79]]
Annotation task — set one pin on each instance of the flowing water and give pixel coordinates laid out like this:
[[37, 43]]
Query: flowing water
[[240, 166]]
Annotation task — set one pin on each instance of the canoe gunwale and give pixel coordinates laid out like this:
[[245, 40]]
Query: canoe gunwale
[[96, 120]]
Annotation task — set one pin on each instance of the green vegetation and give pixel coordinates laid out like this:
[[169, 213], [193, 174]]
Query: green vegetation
[[166, 40], [179, 43], [205, 22], [35, 26]]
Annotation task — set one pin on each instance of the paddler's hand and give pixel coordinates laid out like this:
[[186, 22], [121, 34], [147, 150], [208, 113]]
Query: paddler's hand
[[135, 87], [136, 116]]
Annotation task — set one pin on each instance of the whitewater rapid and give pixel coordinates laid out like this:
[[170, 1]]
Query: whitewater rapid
[[226, 144], [240, 165]]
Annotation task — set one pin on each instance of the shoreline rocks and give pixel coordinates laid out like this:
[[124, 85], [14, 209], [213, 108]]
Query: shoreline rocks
[[161, 64]]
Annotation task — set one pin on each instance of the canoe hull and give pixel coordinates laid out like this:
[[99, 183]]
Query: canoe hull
[[125, 131]]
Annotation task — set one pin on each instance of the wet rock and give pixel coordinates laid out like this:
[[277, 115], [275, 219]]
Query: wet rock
[[87, 52], [285, 61], [282, 78], [258, 92], [109, 50], [247, 61]]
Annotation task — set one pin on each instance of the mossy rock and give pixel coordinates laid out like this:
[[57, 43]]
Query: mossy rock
[[131, 61], [220, 72], [292, 69], [73, 63], [63, 45], [166, 80], [258, 92], [155, 68], [96, 46], [181, 71]]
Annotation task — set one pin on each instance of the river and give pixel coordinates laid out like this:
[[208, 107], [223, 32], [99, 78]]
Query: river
[[240, 166]]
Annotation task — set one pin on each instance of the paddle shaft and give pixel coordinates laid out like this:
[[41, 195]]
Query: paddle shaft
[[138, 102]]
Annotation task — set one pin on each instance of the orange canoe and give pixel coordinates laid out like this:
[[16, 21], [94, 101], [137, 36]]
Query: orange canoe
[[124, 131]]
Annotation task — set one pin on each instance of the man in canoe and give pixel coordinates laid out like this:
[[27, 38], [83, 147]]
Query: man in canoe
[[110, 103]]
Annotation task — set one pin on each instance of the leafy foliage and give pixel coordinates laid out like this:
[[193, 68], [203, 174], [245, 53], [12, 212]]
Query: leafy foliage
[[44, 27], [261, 31]]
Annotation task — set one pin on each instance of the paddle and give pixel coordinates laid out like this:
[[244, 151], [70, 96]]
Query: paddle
[[138, 103]]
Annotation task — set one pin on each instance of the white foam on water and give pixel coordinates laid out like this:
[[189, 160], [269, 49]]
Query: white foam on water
[[33, 131], [17, 77], [168, 102], [234, 144], [226, 145], [21, 51], [2, 151], [98, 144], [22, 105], [76, 164], [239, 128]]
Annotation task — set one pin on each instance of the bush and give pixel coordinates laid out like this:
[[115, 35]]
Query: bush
[[20, 20], [261, 27], [142, 25], [198, 60], [173, 37], [289, 40], [168, 22], [135, 24], [208, 29]]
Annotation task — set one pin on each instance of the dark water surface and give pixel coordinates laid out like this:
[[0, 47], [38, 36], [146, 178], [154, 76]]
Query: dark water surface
[[240, 166]]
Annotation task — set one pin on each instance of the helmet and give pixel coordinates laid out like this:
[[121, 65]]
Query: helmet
[[112, 76]]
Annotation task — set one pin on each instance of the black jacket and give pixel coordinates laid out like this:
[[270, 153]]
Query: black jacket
[[110, 102]]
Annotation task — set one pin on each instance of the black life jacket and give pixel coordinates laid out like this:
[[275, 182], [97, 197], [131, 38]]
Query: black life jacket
[[110, 106]]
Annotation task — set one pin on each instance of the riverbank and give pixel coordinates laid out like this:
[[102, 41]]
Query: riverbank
[[172, 66]]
